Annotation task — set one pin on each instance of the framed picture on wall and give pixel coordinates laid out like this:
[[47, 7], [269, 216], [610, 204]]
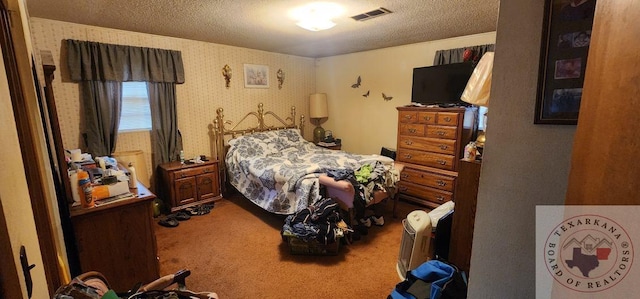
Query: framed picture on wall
[[256, 76], [563, 60]]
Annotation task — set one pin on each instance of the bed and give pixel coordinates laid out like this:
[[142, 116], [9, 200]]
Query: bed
[[278, 170]]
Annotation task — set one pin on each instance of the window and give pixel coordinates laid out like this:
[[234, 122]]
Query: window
[[136, 113]]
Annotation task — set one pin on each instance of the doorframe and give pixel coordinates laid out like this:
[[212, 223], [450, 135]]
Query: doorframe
[[28, 139]]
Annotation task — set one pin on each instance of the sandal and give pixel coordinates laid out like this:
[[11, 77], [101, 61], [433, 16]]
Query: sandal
[[199, 210], [169, 221], [192, 211], [205, 209], [182, 216]]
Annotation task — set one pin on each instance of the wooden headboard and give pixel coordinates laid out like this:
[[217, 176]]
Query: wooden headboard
[[220, 130]]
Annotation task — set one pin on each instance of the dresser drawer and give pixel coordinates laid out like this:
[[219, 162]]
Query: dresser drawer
[[428, 117], [436, 160], [441, 132], [412, 130], [194, 171], [408, 117], [448, 118], [426, 178], [443, 146], [427, 193]]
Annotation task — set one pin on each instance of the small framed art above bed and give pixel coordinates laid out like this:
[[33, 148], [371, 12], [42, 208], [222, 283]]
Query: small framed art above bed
[[280, 171]]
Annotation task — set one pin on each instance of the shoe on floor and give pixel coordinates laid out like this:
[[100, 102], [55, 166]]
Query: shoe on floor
[[379, 221], [204, 209], [169, 221], [365, 221], [192, 211], [199, 210], [182, 216]]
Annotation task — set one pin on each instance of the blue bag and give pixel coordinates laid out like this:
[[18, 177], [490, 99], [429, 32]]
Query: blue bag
[[432, 280]]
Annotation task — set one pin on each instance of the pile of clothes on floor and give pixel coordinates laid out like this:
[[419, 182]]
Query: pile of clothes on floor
[[321, 222]]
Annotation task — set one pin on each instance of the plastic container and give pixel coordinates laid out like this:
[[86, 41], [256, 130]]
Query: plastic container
[[133, 177], [83, 183], [89, 201], [73, 177], [313, 247]]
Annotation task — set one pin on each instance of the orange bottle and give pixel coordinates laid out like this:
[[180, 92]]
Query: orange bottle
[[85, 189]]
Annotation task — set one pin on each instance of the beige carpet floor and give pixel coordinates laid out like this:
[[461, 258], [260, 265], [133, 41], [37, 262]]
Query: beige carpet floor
[[237, 252]]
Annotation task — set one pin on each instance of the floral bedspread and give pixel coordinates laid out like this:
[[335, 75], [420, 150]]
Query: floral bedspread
[[279, 170]]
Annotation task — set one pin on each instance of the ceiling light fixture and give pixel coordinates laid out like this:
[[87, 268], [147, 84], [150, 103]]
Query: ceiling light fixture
[[316, 16]]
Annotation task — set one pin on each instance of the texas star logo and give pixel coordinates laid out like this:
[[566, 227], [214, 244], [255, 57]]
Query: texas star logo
[[588, 253]]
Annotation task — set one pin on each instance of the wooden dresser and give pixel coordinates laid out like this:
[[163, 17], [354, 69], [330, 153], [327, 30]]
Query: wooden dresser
[[185, 185], [430, 143], [118, 240]]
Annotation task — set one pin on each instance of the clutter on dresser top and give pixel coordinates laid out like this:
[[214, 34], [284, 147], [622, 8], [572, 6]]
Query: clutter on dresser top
[[100, 180]]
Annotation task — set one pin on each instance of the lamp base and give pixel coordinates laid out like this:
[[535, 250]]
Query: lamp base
[[318, 134], [480, 139]]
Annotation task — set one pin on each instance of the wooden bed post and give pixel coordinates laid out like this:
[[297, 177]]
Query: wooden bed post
[[218, 130]]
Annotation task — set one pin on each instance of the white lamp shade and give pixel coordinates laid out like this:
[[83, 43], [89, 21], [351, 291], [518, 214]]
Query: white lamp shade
[[318, 105], [479, 84]]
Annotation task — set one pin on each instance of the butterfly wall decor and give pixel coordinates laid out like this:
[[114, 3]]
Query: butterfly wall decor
[[358, 81], [386, 98], [366, 94]]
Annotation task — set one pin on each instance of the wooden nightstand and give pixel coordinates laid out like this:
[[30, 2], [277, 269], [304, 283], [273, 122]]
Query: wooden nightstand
[[185, 185], [331, 147]]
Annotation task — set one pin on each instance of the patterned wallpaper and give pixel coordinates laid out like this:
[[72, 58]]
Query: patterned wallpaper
[[198, 98]]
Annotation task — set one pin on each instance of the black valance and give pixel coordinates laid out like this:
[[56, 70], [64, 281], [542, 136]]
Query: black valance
[[92, 61]]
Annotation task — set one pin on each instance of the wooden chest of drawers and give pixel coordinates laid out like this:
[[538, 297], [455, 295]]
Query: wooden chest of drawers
[[182, 186], [118, 240], [430, 144]]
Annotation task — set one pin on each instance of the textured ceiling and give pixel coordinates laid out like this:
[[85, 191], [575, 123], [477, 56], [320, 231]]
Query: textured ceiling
[[265, 24]]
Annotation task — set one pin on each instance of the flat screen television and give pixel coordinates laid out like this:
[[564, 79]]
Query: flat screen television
[[441, 84]]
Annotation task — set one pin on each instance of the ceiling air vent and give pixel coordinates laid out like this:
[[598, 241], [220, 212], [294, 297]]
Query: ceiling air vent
[[371, 14]]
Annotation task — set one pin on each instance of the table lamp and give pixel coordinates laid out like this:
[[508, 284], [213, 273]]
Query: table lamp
[[478, 90], [318, 110]]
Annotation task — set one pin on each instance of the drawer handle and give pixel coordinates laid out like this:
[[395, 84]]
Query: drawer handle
[[404, 176], [182, 175], [444, 147], [447, 119], [427, 118], [412, 130], [441, 162], [403, 188], [440, 198], [408, 142], [407, 116], [441, 183], [441, 133], [408, 156]]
